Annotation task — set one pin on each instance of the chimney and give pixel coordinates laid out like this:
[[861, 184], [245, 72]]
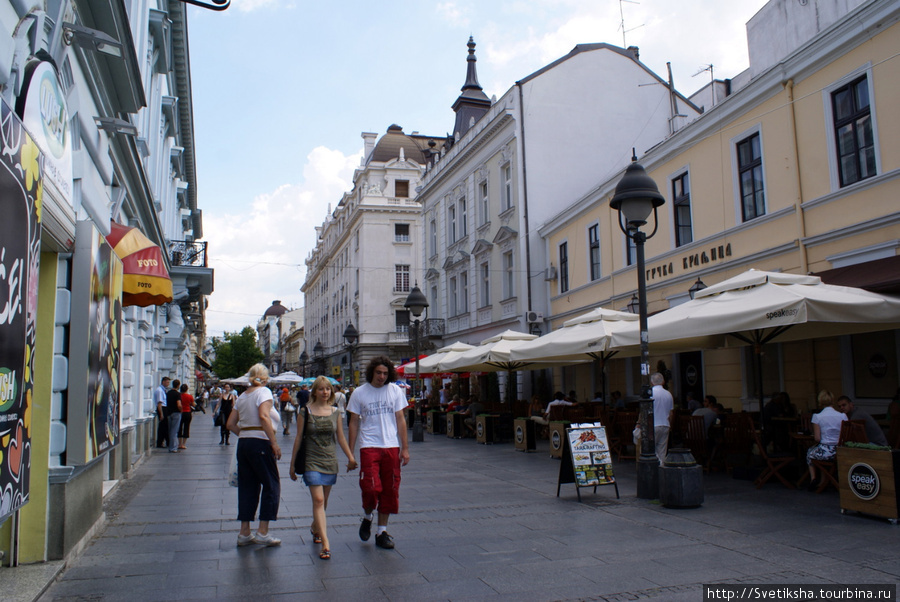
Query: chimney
[[635, 52], [369, 138]]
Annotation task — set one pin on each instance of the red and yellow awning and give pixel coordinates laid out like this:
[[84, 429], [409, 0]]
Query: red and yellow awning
[[146, 281]]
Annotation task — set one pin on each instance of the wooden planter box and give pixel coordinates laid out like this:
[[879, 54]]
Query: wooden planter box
[[558, 438], [523, 430], [484, 428], [868, 481]]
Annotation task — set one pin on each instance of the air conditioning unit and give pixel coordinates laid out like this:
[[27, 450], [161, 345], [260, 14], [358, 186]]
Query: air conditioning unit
[[533, 317], [551, 273]]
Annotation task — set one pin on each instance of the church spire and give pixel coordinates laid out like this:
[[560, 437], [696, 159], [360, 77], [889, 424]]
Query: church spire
[[473, 102]]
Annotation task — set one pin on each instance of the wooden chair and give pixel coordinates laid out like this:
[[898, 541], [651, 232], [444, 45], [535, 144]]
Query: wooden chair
[[694, 436], [851, 431], [737, 438], [623, 427], [775, 463]]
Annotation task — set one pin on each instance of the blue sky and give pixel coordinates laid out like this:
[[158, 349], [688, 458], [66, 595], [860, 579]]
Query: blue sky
[[282, 90]]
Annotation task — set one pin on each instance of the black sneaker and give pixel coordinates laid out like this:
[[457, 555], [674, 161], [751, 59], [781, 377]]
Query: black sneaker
[[384, 541], [365, 529]]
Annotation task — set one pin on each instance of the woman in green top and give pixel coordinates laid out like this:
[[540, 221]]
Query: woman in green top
[[320, 424]]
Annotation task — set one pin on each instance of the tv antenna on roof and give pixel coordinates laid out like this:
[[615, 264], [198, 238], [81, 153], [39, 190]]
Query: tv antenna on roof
[[622, 23], [712, 80]]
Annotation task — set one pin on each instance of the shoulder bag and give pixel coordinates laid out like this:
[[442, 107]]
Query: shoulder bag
[[300, 460]]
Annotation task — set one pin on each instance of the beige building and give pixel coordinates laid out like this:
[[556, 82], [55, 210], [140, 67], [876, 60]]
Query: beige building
[[795, 170]]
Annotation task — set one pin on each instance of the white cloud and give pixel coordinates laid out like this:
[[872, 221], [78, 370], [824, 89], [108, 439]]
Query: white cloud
[[258, 255], [451, 14]]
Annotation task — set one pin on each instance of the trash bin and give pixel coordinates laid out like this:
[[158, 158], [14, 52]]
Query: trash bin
[[680, 480]]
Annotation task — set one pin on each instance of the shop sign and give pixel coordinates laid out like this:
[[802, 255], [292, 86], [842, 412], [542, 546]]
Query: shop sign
[[689, 262], [21, 195], [864, 482], [46, 117]]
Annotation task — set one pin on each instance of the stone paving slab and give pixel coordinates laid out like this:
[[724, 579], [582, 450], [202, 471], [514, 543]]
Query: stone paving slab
[[477, 522]]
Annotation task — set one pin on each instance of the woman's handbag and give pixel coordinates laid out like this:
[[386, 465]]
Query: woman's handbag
[[217, 420], [300, 460]]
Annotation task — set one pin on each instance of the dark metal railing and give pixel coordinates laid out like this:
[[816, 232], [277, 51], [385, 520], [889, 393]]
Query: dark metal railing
[[188, 253]]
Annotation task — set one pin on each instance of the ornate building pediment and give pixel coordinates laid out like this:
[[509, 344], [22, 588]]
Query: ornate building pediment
[[505, 234], [481, 246], [456, 258], [432, 274]]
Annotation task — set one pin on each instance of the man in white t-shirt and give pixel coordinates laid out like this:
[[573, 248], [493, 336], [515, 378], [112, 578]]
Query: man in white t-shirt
[[377, 418], [663, 411]]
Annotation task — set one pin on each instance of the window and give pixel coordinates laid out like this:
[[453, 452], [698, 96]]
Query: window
[[463, 221], [452, 297], [750, 177], [433, 237], [853, 132], [401, 232], [402, 320], [681, 201], [594, 250], [464, 292], [509, 282], [507, 187], [401, 278], [630, 251], [401, 189], [434, 300], [451, 223], [563, 267], [485, 284], [485, 203]]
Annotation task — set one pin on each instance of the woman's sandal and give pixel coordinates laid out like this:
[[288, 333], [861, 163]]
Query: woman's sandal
[[316, 537], [325, 554]]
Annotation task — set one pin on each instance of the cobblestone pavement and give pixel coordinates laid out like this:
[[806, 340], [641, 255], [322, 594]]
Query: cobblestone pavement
[[477, 522]]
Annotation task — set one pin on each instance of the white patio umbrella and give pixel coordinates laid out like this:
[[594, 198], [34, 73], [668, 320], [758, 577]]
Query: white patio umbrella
[[242, 381], [757, 307], [428, 365], [585, 337], [493, 354], [286, 378]]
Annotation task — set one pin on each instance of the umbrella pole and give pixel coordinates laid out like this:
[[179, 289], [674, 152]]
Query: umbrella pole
[[757, 349]]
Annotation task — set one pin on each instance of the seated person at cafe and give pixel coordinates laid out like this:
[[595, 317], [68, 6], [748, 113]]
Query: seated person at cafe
[[475, 408], [692, 404], [445, 396], [572, 396], [826, 431], [708, 411], [536, 411], [558, 400], [616, 400], [455, 404], [873, 429]]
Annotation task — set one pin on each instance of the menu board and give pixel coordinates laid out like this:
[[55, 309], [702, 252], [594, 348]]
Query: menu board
[[586, 460]]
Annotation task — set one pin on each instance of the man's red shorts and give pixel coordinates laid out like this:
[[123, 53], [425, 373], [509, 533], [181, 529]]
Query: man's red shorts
[[379, 479]]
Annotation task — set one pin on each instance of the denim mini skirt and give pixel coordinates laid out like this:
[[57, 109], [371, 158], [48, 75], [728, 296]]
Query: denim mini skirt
[[311, 477]]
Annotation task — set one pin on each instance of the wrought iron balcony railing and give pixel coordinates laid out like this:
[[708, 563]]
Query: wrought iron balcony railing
[[188, 253]]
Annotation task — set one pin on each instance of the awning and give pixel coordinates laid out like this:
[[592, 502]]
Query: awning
[[878, 276], [146, 281]]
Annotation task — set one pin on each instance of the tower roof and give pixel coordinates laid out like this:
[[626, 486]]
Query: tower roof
[[276, 309], [473, 102]]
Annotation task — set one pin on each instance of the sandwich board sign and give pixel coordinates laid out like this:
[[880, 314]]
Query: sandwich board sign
[[586, 459]]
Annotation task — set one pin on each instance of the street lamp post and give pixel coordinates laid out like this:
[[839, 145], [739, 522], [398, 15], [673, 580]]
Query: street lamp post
[[304, 360], [636, 196], [318, 357], [416, 303], [351, 335]]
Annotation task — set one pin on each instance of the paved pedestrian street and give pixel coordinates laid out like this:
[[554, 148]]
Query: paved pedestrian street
[[477, 522]]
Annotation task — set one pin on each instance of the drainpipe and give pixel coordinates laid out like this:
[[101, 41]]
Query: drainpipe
[[525, 198], [798, 200]]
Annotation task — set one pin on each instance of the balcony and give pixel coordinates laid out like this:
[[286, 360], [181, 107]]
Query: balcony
[[187, 253], [189, 268]]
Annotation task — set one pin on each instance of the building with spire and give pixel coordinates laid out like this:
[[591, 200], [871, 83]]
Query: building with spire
[[514, 163]]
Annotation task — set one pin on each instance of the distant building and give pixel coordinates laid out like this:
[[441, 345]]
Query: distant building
[[367, 259]]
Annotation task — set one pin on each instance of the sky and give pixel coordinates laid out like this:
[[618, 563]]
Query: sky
[[282, 90]]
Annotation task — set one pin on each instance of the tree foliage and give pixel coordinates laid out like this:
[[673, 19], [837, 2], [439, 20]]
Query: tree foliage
[[235, 353]]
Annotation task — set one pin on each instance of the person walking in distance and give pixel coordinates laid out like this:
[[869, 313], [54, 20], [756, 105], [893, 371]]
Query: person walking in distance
[[377, 419], [159, 400], [173, 414], [226, 404], [663, 413]]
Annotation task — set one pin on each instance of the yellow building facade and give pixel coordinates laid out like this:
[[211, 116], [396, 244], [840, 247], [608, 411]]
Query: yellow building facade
[[797, 170]]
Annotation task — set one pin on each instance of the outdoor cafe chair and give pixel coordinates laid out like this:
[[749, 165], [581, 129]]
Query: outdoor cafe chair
[[851, 431], [775, 463]]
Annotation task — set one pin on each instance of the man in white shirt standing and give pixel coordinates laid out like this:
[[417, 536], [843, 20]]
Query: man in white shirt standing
[[377, 417], [159, 401], [663, 410]]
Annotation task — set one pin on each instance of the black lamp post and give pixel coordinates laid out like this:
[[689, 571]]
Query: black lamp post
[[416, 303], [696, 288], [351, 335], [636, 196], [318, 357], [304, 359]]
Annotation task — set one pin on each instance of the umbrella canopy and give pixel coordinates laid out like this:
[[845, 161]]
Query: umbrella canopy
[[583, 338], [286, 378], [759, 307], [429, 364], [241, 381], [146, 281], [493, 354], [309, 380]]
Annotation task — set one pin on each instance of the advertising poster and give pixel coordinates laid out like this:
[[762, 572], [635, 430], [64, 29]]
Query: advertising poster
[[21, 194], [591, 459], [93, 408]]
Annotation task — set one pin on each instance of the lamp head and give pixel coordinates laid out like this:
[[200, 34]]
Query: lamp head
[[416, 302], [636, 195], [351, 334]]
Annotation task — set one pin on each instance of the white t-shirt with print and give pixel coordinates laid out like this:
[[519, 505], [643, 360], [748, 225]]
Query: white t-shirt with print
[[377, 407]]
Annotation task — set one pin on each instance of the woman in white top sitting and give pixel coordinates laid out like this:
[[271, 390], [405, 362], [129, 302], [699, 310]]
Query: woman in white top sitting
[[827, 431], [254, 420]]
